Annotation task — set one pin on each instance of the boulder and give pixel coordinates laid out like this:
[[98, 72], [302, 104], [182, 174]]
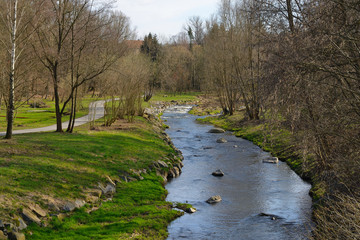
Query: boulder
[[218, 173], [38, 210], [176, 171], [2, 235], [221, 140], [91, 199], [109, 189], [21, 225], [163, 175], [69, 206], [216, 130], [235, 146], [54, 205], [171, 174], [190, 210], [273, 160], [79, 203], [30, 217], [162, 164], [214, 199], [16, 236]]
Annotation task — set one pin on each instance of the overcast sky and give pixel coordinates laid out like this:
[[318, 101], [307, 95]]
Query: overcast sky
[[164, 17]]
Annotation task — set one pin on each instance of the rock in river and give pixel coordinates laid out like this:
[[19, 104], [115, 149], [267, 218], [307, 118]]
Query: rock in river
[[271, 160], [214, 199], [221, 140], [190, 210], [218, 173], [216, 130]]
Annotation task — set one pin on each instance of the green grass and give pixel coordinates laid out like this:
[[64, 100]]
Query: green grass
[[28, 117], [138, 211], [62, 165]]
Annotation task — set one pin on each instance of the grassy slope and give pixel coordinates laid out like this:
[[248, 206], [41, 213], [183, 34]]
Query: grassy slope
[[277, 141], [62, 165]]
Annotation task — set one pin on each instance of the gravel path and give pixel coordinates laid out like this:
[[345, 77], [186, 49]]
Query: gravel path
[[96, 111]]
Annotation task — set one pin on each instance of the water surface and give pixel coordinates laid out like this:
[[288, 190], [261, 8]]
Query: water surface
[[248, 188]]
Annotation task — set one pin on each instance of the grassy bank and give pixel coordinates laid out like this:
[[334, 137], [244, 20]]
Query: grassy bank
[[63, 167], [279, 142]]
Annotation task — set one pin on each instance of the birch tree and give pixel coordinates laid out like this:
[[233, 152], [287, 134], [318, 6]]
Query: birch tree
[[17, 17]]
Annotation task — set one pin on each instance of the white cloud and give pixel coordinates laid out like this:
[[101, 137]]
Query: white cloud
[[164, 17]]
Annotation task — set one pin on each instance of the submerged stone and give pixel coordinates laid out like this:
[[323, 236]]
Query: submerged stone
[[214, 199], [216, 130]]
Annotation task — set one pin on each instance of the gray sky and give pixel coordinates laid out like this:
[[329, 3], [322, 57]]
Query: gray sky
[[164, 17]]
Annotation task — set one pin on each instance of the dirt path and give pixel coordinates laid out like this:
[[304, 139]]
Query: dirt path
[[96, 111]]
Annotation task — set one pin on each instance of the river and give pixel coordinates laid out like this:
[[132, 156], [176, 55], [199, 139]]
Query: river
[[248, 188]]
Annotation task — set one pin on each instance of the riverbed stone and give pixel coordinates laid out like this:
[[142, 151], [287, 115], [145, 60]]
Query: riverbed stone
[[221, 140], [214, 199], [30, 217], [216, 130], [190, 210], [218, 173], [273, 160]]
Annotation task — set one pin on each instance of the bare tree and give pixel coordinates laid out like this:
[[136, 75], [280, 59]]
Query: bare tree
[[17, 16]]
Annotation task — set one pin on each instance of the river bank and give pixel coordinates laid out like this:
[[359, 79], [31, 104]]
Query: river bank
[[103, 183]]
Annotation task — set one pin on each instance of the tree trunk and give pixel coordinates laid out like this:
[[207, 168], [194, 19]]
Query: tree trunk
[[57, 100], [11, 107], [290, 15]]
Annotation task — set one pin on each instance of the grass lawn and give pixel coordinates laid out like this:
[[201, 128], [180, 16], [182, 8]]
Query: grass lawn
[[27, 117], [60, 165]]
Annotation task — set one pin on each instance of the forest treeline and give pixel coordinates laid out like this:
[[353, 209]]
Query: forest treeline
[[294, 64]]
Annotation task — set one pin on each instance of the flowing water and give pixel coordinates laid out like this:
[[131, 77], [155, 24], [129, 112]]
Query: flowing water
[[249, 187]]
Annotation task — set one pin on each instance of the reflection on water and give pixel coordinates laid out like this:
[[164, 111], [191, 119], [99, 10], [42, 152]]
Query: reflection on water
[[248, 188]]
